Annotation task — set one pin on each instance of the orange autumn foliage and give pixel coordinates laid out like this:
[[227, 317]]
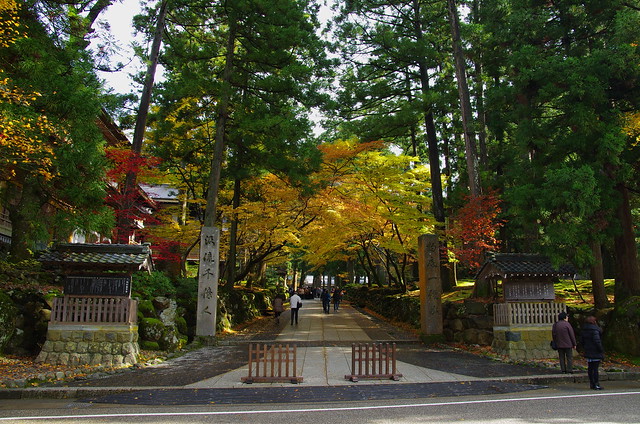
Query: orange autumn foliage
[[474, 229]]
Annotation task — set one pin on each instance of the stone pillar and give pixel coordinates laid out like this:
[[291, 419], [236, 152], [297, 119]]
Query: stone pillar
[[430, 285], [208, 274]]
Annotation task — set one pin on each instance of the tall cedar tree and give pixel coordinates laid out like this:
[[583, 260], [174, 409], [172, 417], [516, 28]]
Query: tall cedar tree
[[241, 76], [561, 82]]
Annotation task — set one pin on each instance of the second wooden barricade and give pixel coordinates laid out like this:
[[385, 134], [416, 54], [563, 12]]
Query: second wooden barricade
[[374, 360], [272, 364]]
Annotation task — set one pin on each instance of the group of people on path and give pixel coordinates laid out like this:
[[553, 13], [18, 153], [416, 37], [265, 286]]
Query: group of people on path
[[295, 303], [563, 336], [327, 298], [591, 338]]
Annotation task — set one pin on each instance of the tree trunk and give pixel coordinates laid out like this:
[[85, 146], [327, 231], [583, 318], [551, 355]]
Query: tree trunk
[[21, 215], [351, 271], [465, 102], [367, 273], [126, 216], [597, 278], [221, 124], [479, 96], [233, 236], [628, 272], [372, 267], [294, 279], [186, 253], [432, 136]]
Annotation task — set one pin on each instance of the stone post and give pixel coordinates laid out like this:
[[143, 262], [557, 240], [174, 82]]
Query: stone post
[[430, 285], [208, 274]]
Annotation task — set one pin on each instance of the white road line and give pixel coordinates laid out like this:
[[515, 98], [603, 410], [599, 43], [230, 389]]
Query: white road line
[[323, 410]]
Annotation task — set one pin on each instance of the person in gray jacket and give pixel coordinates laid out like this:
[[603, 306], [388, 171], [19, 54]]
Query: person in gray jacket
[[591, 336], [565, 338]]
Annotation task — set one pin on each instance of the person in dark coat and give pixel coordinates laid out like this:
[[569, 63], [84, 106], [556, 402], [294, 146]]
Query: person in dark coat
[[337, 297], [565, 338], [326, 300], [278, 307], [591, 336]]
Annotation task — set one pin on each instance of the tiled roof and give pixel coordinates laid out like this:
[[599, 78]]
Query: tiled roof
[[522, 264], [104, 256]]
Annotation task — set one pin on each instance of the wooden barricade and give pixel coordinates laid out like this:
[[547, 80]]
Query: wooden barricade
[[374, 360], [272, 364]]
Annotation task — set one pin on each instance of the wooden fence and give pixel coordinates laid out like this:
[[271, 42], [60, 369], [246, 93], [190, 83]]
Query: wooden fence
[[272, 364], [374, 360], [94, 310], [526, 313]]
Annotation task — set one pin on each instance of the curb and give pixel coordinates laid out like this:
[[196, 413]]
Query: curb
[[93, 392]]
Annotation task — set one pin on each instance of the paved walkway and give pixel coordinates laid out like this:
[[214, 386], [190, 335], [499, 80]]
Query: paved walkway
[[212, 375], [329, 363]]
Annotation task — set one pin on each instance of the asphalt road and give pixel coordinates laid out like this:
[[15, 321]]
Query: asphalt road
[[566, 403]]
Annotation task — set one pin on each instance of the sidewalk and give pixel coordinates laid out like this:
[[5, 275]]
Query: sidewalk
[[327, 365], [213, 374]]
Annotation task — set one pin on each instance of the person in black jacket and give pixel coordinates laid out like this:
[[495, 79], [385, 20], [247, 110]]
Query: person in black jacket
[[593, 351]]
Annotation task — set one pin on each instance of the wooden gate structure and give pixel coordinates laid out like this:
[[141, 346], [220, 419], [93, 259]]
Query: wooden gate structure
[[373, 361], [522, 323], [95, 321], [272, 364]]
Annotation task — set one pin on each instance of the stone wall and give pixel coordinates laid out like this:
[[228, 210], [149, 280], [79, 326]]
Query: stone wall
[[523, 343], [469, 322], [107, 345]]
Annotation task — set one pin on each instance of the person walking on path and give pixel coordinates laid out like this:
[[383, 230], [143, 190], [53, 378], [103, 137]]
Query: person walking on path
[[295, 302], [326, 300], [591, 336], [565, 338], [337, 296], [278, 307]]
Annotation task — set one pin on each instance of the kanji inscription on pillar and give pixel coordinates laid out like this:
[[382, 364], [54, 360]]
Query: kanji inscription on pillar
[[430, 284], [208, 274]]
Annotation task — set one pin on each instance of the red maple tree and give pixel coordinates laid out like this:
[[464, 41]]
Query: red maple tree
[[474, 228]]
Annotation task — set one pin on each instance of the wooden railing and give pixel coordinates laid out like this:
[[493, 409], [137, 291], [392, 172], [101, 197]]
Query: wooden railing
[[272, 364], [374, 360], [526, 313], [94, 310]]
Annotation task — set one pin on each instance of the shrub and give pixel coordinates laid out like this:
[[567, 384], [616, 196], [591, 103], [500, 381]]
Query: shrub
[[148, 345], [152, 284], [150, 329], [145, 307], [187, 288]]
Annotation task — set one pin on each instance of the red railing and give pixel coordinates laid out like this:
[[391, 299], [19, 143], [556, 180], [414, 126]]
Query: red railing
[[94, 310]]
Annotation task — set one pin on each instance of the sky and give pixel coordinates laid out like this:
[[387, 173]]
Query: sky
[[120, 15]]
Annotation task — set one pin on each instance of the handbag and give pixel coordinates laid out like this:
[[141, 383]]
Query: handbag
[[553, 345]]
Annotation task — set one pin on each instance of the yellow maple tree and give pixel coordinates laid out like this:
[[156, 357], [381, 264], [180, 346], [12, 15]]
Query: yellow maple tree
[[9, 23], [372, 205], [27, 137]]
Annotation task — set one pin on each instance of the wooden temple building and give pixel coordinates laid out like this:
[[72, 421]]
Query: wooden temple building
[[522, 322], [95, 321]]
